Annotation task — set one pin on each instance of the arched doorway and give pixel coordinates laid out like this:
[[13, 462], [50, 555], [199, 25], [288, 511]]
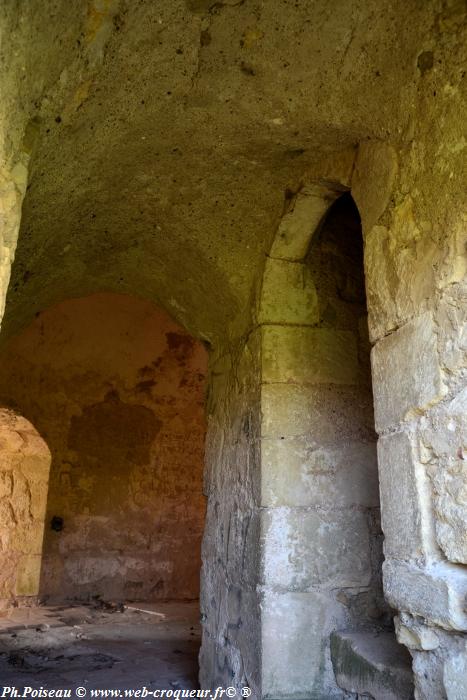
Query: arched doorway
[[24, 479], [117, 389], [326, 627]]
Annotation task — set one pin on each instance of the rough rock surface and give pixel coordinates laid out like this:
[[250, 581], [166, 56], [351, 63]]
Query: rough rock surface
[[24, 478], [372, 664]]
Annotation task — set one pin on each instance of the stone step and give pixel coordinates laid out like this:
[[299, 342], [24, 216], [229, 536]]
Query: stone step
[[372, 664]]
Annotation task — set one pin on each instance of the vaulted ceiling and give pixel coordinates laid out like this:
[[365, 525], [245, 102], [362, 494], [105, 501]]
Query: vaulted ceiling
[[166, 134]]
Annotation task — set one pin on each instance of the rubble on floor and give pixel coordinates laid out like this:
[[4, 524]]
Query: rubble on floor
[[101, 646]]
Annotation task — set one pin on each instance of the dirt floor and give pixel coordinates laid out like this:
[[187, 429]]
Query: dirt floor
[[99, 646]]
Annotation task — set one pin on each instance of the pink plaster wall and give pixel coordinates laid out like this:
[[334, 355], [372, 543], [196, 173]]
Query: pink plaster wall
[[116, 388]]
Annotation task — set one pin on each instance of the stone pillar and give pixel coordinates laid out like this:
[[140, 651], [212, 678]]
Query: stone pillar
[[231, 648]]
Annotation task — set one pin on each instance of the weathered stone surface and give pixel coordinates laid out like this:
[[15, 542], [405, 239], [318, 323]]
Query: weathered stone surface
[[6, 484], [450, 500], [455, 676], [373, 180], [440, 672], [443, 448], [299, 224], [28, 575], [443, 430], [295, 661], [288, 294], [309, 355], [327, 414], [12, 189], [372, 664], [231, 555], [401, 513], [451, 319], [406, 372], [298, 472], [22, 506], [414, 634], [428, 675], [304, 548], [400, 263], [436, 593]]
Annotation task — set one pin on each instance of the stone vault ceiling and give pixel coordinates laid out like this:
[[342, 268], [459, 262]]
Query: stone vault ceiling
[[166, 134]]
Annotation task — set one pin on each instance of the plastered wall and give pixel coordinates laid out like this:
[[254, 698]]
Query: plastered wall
[[116, 388]]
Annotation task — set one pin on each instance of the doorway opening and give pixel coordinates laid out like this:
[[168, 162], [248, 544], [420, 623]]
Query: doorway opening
[[116, 389], [365, 655], [321, 521]]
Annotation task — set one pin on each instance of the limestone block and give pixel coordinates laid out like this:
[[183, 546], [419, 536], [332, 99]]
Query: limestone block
[[309, 355], [414, 634], [298, 472], [455, 676], [443, 430], [443, 446], [373, 180], [451, 319], [428, 675], [288, 294], [380, 283], [372, 664], [335, 169], [449, 479], [298, 225], [401, 516], [413, 255], [406, 372], [28, 575], [304, 547], [399, 271], [326, 414], [295, 631], [436, 592]]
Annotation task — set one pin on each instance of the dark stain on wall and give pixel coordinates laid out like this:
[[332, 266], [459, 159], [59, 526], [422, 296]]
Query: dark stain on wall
[[114, 432]]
